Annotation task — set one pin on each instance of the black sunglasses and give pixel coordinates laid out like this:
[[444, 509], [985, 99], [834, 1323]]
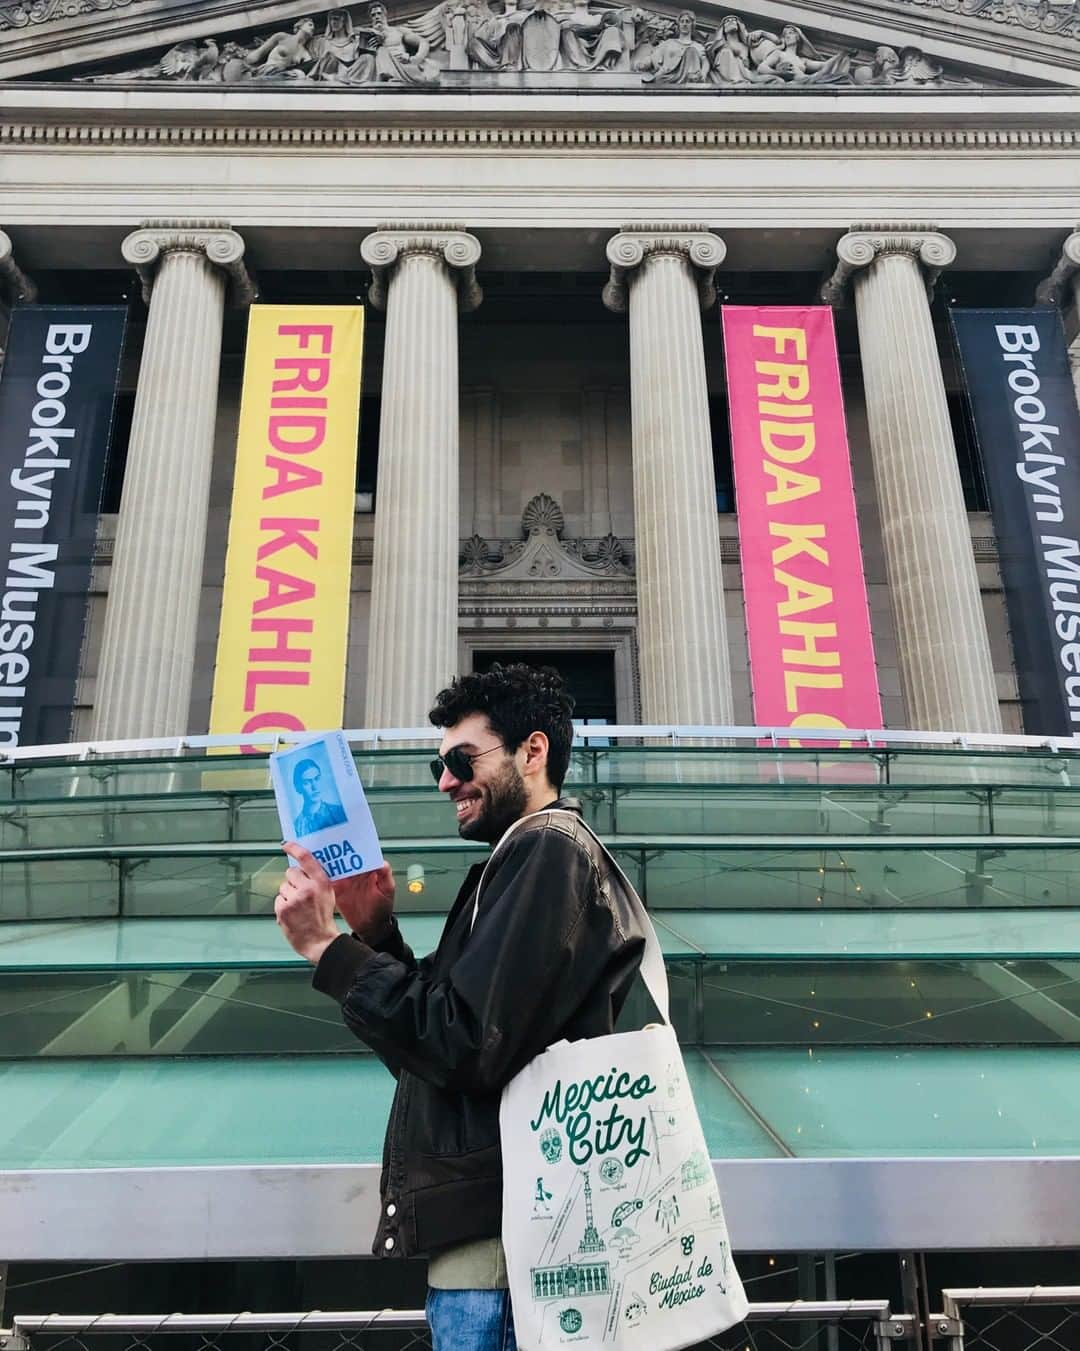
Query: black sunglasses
[[458, 762]]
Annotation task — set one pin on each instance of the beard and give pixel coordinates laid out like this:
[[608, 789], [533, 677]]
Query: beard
[[503, 800]]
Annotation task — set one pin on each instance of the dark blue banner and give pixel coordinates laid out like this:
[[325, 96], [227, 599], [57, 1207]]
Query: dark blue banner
[[1028, 425], [56, 404]]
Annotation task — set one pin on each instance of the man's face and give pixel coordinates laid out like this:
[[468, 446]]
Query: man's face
[[495, 796], [309, 786]]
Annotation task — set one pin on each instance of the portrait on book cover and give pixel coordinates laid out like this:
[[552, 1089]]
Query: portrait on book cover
[[316, 803]]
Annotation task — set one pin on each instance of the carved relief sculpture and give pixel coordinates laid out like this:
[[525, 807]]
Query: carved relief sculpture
[[536, 37]]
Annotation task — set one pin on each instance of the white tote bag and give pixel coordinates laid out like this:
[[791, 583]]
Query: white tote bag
[[612, 1223]]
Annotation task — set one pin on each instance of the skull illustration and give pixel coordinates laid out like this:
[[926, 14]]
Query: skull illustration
[[551, 1145]]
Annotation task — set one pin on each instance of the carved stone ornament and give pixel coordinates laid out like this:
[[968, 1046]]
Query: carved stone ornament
[[863, 244], [145, 248], [542, 554], [1054, 290], [15, 285], [628, 250], [1037, 16], [387, 245], [519, 44], [27, 12]]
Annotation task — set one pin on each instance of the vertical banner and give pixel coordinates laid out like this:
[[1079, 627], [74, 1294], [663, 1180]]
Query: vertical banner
[[56, 408], [285, 609], [807, 617], [1017, 373]]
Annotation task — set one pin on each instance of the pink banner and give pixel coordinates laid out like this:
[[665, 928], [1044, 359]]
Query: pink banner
[[807, 618]]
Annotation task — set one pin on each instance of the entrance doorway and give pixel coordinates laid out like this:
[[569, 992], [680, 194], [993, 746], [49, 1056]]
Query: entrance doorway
[[589, 676]]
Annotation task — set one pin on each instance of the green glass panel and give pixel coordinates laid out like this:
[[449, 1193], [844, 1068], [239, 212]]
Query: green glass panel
[[315, 1109], [678, 873], [878, 1102], [688, 766], [935, 1101], [213, 1010], [208, 880], [222, 943], [1009, 1002], [861, 934], [664, 809], [161, 1113]]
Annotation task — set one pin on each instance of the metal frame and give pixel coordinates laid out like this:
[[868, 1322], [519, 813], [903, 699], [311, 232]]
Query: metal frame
[[673, 733], [889, 1328], [314, 1210], [948, 1326]]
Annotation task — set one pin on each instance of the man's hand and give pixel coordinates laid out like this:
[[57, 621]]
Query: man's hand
[[366, 902], [304, 905]]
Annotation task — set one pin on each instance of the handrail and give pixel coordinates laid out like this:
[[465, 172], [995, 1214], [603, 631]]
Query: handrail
[[948, 1326], [628, 842], [402, 1319], [675, 733]]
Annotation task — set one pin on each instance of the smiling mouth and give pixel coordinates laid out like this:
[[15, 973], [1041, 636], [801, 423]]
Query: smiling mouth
[[462, 804]]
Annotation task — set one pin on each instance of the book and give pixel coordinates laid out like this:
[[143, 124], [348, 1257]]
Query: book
[[321, 805]]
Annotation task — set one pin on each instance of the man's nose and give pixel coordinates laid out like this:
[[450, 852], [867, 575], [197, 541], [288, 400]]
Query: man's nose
[[447, 782]]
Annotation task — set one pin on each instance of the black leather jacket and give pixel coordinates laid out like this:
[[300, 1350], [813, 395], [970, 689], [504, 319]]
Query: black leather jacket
[[553, 954]]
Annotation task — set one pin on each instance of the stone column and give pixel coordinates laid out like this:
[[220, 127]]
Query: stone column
[[148, 650], [663, 274], [1060, 288], [422, 276], [946, 671], [15, 287]]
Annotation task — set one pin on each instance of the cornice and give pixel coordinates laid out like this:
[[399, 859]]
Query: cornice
[[828, 139]]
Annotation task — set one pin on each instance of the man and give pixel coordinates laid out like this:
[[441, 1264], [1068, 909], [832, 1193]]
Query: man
[[553, 952], [315, 814]]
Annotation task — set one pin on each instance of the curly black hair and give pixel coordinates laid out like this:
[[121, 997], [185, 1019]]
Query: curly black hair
[[517, 700]]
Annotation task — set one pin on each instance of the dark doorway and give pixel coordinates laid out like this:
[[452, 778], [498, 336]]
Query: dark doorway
[[590, 677]]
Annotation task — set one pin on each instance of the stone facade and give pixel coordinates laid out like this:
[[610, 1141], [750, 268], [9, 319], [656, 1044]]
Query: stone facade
[[336, 145]]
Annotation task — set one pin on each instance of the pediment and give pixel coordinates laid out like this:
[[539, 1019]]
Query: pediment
[[709, 49]]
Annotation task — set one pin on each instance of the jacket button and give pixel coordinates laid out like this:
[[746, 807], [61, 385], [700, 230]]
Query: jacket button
[[391, 1210], [388, 1245]]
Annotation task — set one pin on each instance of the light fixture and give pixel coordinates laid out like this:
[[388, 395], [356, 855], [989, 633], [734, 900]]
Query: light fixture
[[416, 878]]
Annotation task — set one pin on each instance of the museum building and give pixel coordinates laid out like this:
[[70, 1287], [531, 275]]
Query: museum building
[[547, 217]]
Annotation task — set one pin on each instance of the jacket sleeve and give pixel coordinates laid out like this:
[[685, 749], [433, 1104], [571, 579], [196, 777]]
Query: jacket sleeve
[[543, 937]]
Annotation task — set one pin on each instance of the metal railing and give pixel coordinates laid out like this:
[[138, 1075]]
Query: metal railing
[[1009, 1318], [674, 734], [799, 1325]]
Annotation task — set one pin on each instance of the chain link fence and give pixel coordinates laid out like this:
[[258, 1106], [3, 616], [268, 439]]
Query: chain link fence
[[1021, 1318], [840, 1325]]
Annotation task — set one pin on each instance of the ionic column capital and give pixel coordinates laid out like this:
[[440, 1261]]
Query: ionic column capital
[[864, 244], [628, 250], [17, 284], [458, 250], [145, 248], [1053, 290]]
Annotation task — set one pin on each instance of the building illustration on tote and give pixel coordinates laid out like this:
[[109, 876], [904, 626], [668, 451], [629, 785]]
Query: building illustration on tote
[[587, 1273]]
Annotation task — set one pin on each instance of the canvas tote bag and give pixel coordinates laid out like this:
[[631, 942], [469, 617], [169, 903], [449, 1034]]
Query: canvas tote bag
[[612, 1223]]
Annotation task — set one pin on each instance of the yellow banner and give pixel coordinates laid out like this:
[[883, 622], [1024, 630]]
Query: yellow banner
[[285, 610]]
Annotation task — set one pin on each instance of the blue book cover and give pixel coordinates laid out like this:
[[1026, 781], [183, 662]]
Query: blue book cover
[[321, 805]]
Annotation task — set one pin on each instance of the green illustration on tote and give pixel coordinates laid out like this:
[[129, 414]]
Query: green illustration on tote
[[551, 1145], [541, 1197], [624, 1241], [585, 1272], [667, 1212], [597, 1115], [635, 1311], [611, 1172], [695, 1172], [570, 1320], [624, 1210]]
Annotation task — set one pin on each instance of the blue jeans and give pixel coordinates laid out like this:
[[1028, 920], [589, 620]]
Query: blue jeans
[[470, 1320]]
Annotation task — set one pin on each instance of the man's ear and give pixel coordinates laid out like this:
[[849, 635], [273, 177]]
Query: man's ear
[[536, 753]]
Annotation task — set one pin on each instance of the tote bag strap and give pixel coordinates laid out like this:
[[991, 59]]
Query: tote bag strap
[[653, 971]]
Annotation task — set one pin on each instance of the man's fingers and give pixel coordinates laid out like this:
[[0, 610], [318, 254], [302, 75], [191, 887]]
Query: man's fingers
[[309, 864]]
